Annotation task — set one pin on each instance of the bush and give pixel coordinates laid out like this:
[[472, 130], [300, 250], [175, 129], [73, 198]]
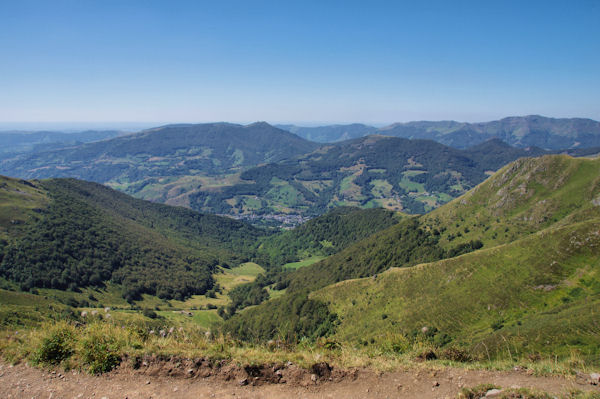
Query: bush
[[56, 345], [100, 351], [150, 313]]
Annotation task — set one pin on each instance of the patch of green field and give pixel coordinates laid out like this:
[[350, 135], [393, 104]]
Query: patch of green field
[[410, 173], [346, 183], [285, 195], [409, 185], [276, 181], [303, 262], [381, 188], [249, 269], [273, 294], [251, 203]]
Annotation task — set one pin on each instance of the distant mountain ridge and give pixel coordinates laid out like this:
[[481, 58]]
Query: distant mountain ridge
[[16, 141], [169, 150], [518, 131], [330, 133]]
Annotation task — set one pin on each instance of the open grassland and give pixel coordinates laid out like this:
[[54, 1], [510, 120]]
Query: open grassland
[[303, 262], [98, 345], [538, 295], [523, 197], [21, 309]]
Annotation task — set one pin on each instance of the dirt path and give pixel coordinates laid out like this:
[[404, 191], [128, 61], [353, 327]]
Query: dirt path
[[22, 381]]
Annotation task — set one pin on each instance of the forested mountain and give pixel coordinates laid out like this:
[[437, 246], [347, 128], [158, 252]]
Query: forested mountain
[[525, 131], [165, 152], [66, 233], [529, 239], [413, 176], [257, 171], [15, 142]]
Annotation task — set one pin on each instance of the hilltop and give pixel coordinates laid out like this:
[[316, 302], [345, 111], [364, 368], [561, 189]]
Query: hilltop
[[165, 152]]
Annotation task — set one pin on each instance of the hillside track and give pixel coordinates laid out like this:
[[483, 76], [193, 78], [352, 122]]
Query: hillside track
[[23, 381]]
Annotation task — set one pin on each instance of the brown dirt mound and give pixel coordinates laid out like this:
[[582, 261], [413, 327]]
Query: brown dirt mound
[[153, 377]]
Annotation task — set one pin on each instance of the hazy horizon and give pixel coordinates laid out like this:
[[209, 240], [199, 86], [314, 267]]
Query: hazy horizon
[[135, 126]]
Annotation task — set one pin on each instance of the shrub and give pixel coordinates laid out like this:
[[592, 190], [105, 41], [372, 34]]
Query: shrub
[[150, 313], [100, 350], [56, 345]]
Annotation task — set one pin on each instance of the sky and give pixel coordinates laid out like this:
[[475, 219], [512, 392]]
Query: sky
[[305, 62]]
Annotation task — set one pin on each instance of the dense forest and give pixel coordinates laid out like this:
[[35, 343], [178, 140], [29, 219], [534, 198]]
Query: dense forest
[[324, 235], [89, 235]]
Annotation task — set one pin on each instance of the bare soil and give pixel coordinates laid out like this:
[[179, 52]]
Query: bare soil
[[199, 378]]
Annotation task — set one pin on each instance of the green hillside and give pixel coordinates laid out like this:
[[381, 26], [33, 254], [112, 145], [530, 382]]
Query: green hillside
[[65, 233], [537, 295], [325, 235], [537, 220], [413, 176], [164, 163]]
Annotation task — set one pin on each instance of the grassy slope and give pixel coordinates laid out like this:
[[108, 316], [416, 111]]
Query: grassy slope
[[540, 293], [523, 215], [541, 287], [525, 196], [18, 202], [325, 235]]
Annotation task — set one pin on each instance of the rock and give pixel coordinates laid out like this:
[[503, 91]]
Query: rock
[[313, 377], [594, 378], [436, 384], [322, 369], [493, 393], [243, 382], [148, 382]]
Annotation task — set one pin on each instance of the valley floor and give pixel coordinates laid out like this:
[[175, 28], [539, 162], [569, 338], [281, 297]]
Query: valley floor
[[22, 381]]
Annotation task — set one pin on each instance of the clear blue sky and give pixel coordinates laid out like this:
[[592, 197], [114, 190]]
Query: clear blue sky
[[302, 61]]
